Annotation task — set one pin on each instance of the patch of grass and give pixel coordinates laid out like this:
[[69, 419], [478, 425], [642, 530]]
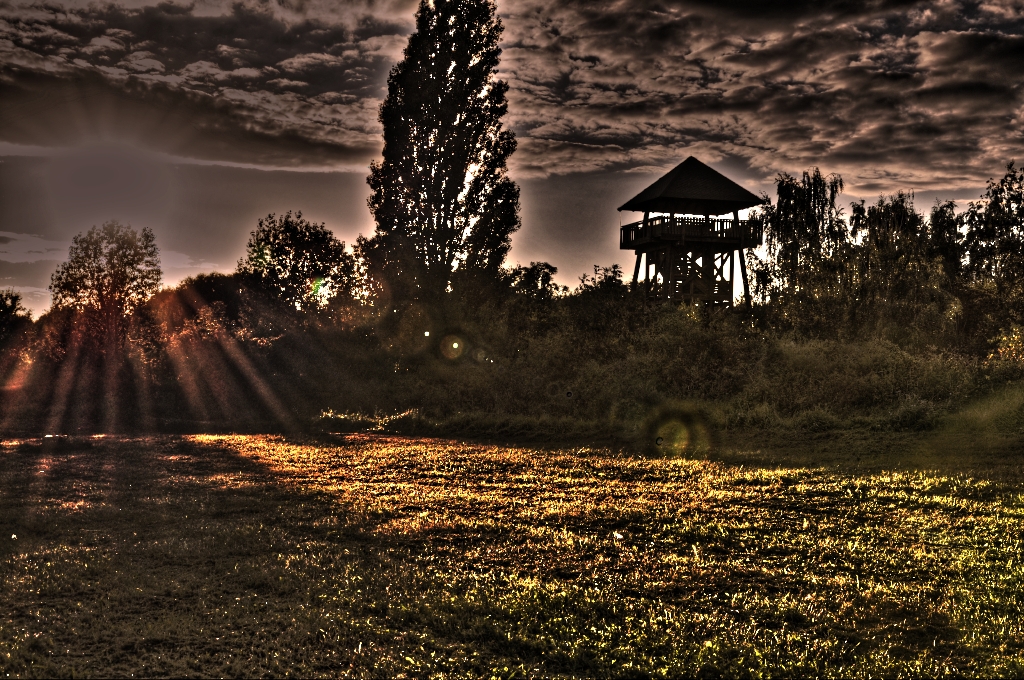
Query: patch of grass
[[841, 554]]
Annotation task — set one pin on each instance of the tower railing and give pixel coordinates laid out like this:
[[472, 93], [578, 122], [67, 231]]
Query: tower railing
[[717, 230]]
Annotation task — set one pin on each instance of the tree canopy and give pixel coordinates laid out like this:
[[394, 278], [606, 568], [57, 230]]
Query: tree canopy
[[442, 200], [297, 261], [995, 229], [110, 269], [805, 229], [12, 313]]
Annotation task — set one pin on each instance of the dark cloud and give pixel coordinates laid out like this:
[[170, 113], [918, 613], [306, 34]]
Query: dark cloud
[[795, 10], [595, 85], [34, 274], [259, 128], [914, 87], [245, 86]]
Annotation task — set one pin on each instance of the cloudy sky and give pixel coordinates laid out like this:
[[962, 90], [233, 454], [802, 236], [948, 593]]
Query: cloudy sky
[[196, 119]]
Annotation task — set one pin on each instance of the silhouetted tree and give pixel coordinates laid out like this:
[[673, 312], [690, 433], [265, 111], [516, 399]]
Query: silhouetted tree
[[895, 242], [806, 278], [804, 228], [13, 314], [904, 291], [14, 321], [605, 280], [995, 230], [442, 200], [298, 262], [91, 330], [110, 271], [536, 281], [945, 241]]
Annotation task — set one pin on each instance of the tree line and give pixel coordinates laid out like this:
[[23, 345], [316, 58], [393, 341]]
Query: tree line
[[425, 314], [954, 279]]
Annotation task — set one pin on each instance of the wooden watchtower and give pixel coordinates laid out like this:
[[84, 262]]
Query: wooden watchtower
[[684, 239]]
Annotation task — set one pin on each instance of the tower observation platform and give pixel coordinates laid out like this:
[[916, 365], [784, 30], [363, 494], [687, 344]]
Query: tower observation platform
[[683, 241]]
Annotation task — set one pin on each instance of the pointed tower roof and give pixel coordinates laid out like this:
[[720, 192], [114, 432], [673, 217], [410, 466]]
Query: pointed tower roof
[[695, 189]]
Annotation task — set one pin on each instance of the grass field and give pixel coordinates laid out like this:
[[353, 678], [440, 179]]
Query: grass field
[[843, 554]]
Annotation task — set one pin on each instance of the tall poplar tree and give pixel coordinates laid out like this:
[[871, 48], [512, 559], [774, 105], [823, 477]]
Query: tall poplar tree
[[442, 200]]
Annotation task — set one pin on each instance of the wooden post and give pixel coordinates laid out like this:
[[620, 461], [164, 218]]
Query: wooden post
[[648, 276], [746, 284], [743, 259], [636, 269], [666, 273], [686, 282], [707, 273], [658, 287]]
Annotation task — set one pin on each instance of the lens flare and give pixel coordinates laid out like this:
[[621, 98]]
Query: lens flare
[[674, 436], [676, 429], [452, 347]]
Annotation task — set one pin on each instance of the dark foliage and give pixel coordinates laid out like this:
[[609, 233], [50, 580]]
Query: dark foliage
[[804, 281], [110, 271], [901, 278], [995, 231], [804, 230], [298, 262], [442, 200], [945, 242], [13, 315], [536, 281]]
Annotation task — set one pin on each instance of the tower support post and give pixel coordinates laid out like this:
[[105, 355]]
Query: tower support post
[[743, 259]]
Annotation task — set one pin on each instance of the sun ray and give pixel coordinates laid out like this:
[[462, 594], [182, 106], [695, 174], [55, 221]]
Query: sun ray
[[187, 380], [109, 404], [256, 381], [16, 388], [142, 382], [66, 378], [236, 355]]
